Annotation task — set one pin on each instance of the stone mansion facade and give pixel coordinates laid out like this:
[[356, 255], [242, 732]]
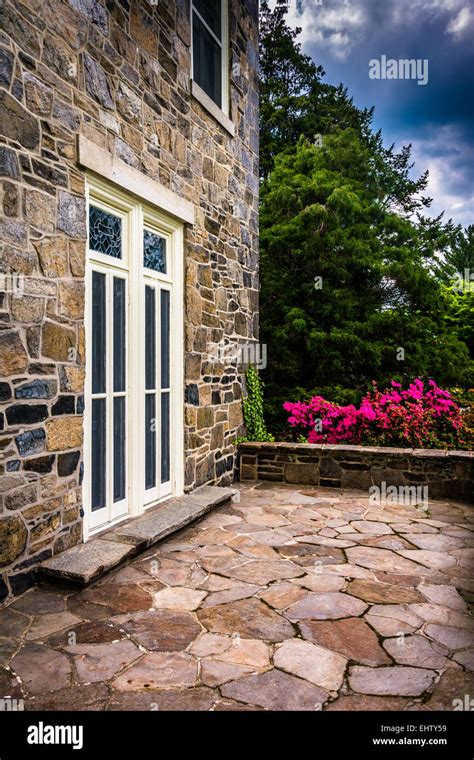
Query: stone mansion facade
[[129, 175]]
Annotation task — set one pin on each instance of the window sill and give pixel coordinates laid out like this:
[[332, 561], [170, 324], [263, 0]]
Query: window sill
[[209, 105]]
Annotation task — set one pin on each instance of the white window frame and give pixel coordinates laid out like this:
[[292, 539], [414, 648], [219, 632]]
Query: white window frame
[[136, 215], [197, 91]]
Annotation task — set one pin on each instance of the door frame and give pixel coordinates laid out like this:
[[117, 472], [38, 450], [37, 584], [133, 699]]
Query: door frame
[[137, 213]]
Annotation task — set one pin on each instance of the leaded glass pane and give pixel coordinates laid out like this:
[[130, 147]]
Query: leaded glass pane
[[105, 232], [154, 252]]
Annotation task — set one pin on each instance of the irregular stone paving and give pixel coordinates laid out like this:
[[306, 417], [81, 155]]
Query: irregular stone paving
[[286, 599]]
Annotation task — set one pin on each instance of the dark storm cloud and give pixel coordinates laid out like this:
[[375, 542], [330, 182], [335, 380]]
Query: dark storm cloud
[[344, 35]]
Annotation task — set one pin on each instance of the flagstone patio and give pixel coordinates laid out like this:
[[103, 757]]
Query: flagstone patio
[[284, 600]]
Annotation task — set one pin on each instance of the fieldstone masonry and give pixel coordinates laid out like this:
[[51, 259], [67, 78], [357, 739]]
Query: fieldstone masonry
[[445, 474], [118, 74]]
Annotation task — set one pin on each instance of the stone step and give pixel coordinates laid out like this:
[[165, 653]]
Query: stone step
[[85, 563]]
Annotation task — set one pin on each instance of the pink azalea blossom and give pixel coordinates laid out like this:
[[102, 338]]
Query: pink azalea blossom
[[423, 415]]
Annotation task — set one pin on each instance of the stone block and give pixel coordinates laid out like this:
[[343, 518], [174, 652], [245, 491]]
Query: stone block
[[27, 308], [57, 342], [205, 417], [13, 357], [72, 215], [31, 442], [360, 479], [37, 389], [63, 433], [16, 123], [52, 254], [39, 209], [83, 563], [13, 536], [248, 472], [305, 474], [71, 299]]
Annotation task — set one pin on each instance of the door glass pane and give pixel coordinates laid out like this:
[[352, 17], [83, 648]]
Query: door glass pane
[[207, 56], [211, 11], [150, 441], [98, 332], [165, 437], [98, 473], [150, 338], [165, 339], [105, 232], [119, 448], [119, 334], [154, 252]]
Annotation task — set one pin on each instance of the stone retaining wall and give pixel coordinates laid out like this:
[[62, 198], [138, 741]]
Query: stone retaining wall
[[447, 474]]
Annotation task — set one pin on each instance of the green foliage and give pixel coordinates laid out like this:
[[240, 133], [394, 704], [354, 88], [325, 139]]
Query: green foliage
[[460, 314], [348, 212], [465, 399], [461, 255], [323, 214], [253, 408]]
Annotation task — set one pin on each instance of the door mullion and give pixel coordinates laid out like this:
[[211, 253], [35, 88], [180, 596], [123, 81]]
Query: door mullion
[[158, 386], [109, 403]]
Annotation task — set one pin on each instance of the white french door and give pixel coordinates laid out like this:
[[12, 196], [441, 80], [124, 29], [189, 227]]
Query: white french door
[[133, 450], [108, 397]]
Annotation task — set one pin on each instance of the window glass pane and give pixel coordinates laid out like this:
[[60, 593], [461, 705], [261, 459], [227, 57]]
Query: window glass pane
[[154, 252], [119, 448], [119, 334], [150, 339], [150, 441], [98, 332], [105, 232], [211, 11], [165, 437], [207, 56], [165, 339], [98, 454]]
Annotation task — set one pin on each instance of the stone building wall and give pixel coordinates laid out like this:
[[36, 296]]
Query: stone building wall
[[117, 73]]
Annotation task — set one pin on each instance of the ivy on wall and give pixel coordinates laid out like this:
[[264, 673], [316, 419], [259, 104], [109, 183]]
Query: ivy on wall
[[253, 408]]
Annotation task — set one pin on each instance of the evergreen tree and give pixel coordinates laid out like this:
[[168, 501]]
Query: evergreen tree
[[353, 274], [461, 256]]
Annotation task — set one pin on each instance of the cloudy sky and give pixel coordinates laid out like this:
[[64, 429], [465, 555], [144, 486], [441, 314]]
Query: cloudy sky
[[437, 118]]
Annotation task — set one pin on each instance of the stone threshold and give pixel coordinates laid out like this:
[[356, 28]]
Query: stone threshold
[[85, 563]]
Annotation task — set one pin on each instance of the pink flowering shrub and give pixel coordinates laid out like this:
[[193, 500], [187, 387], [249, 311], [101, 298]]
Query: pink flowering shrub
[[422, 416]]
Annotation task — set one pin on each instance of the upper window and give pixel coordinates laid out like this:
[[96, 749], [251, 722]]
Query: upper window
[[209, 23]]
